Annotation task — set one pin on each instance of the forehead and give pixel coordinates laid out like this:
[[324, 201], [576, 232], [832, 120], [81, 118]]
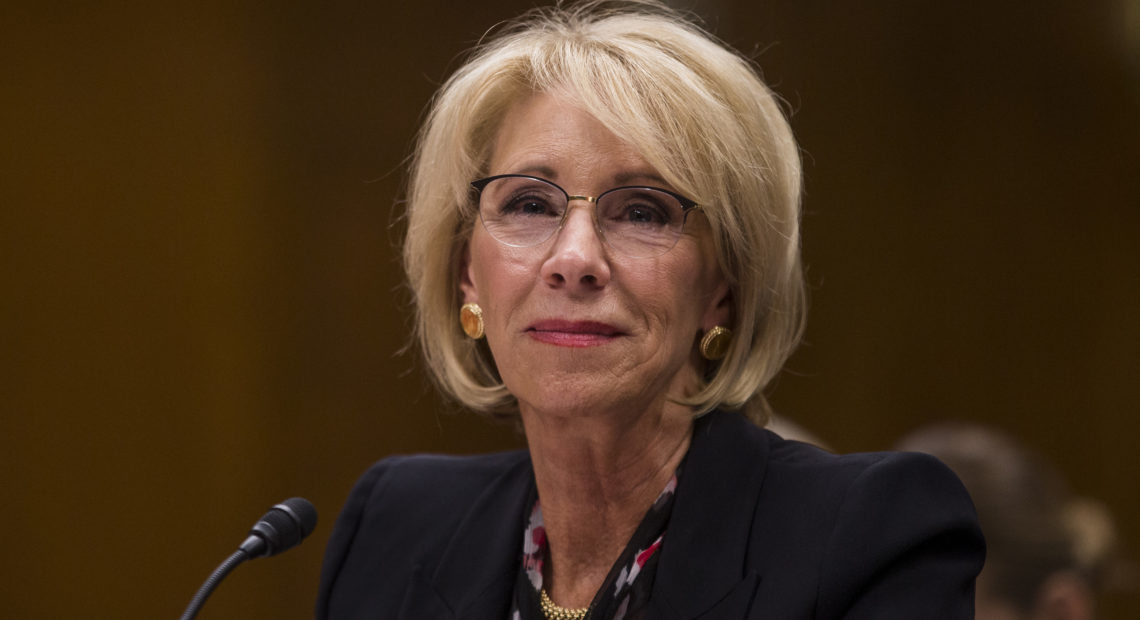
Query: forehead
[[548, 136]]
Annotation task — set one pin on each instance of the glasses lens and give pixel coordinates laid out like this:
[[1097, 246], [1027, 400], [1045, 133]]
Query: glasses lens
[[640, 222], [521, 211]]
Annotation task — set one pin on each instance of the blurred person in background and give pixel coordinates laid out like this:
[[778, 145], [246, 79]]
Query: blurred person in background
[[1048, 552]]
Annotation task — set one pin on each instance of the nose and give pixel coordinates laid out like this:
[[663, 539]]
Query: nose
[[577, 261]]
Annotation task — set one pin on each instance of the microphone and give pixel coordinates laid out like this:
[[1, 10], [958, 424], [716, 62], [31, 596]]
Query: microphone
[[281, 529]]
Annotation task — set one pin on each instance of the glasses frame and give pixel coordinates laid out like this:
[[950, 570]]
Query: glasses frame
[[687, 206]]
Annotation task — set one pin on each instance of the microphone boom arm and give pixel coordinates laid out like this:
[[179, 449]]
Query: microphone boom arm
[[283, 527], [216, 577]]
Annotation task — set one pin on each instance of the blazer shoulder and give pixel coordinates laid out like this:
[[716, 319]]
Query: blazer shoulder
[[876, 535], [905, 544], [403, 511], [425, 475], [424, 488], [828, 474], [815, 534]]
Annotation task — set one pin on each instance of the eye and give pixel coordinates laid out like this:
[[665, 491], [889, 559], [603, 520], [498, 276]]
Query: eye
[[529, 205], [644, 215], [640, 209]]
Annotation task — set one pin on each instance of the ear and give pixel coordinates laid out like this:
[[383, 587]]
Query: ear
[[466, 277], [721, 306], [1064, 596]]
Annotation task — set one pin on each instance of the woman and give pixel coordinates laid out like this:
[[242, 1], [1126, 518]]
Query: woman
[[603, 241]]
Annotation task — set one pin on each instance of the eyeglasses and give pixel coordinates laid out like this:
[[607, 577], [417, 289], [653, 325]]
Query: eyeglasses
[[639, 222]]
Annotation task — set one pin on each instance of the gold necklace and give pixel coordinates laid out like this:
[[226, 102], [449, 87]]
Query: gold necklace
[[554, 612]]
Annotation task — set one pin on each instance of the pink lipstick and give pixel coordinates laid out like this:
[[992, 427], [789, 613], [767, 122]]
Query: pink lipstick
[[573, 333]]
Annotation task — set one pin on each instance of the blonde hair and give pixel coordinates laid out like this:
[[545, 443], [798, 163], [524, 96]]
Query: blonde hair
[[696, 111]]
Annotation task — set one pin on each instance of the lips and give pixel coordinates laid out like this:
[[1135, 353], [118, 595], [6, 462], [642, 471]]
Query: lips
[[573, 333]]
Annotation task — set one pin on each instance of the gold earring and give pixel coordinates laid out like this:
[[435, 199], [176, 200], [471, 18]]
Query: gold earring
[[471, 318], [714, 345]]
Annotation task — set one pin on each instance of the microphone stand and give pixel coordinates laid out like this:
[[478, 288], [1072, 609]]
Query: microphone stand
[[216, 577], [283, 527]]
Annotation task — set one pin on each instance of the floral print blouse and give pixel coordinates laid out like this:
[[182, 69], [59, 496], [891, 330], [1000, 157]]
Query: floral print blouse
[[624, 594]]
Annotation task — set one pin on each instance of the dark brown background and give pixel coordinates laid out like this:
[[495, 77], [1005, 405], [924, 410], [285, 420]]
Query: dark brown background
[[202, 310]]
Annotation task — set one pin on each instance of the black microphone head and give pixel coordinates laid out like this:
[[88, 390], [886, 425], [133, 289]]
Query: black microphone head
[[303, 512], [282, 528]]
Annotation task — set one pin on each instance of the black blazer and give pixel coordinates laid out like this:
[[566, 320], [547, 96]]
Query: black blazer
[[761, 528]]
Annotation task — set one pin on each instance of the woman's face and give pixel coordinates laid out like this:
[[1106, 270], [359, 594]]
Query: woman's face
[[574, 327]]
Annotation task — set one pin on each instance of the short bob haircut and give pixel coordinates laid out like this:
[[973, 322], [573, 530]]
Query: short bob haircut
[[697, 112]]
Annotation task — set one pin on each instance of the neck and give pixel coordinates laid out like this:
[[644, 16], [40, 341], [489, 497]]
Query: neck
[[597, 476]]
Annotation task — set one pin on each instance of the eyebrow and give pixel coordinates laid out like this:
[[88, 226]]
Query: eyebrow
[[539, 171], [625, 178], [620, 179]]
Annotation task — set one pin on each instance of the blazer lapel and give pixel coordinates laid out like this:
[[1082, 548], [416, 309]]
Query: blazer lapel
[[701, 571], [476, 574], [702, 567]]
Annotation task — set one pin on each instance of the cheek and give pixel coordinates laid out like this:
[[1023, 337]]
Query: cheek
[[481, 269], [689, 282], [683, 291], [499, 276], [671, 296]]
